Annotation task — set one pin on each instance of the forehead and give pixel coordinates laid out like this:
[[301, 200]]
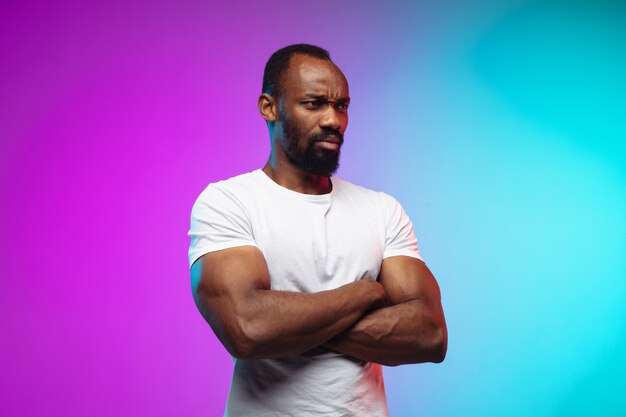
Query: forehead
[[307, 74]]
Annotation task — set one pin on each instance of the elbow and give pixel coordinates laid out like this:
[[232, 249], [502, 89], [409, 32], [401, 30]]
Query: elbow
[[431, 346], [240, 350], [438, 345], [240, 335], [423, 348], [245, 340], [238, 344]]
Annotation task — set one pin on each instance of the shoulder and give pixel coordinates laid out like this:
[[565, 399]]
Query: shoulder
[[233, 190], [220, 217], [345, 189]]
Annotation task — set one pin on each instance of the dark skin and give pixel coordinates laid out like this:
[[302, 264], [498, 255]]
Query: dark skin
[[395, 319], [315, 94]]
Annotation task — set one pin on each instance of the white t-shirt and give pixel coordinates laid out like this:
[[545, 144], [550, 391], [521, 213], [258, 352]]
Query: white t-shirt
[[311, 243]]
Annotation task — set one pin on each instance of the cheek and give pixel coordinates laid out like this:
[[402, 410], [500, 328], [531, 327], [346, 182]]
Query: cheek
[[344, 121], [304, 117], [306, 129]]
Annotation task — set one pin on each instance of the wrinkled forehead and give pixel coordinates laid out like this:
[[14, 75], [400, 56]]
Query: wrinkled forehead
[[310, 75]]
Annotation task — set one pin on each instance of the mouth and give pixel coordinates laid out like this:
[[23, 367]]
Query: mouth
[[332, 138], [329, 141], [328, 144]]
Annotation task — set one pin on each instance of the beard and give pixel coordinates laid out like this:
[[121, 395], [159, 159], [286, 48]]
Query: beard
[[311, 159]]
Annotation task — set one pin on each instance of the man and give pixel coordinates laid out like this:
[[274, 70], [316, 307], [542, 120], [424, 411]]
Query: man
[[310, 282]]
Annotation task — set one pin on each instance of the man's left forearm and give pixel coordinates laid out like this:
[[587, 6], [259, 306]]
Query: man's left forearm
[[409, 332]]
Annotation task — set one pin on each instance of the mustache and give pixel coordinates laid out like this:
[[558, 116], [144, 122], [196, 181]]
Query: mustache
[[328, 136]]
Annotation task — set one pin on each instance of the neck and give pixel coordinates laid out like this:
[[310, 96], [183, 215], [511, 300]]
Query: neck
[[285, 174]]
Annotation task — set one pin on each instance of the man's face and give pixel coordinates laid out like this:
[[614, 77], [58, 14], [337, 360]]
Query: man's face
[[313, 112]]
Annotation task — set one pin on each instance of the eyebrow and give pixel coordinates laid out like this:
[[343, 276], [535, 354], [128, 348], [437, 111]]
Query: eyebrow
[[325, 98]]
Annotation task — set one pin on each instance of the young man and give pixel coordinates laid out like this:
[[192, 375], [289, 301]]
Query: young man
[[310, 282]]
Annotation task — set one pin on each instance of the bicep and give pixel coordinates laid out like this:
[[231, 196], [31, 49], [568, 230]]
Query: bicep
[[229, 271], [224, 284], [406, 278]]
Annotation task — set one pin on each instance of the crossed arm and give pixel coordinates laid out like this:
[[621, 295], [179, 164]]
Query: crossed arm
[[394, 321], [411, 329]]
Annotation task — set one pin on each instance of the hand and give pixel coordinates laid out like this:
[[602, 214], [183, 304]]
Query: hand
[[372, 290]]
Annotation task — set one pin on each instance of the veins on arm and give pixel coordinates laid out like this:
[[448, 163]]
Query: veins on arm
[[231, 288], [411, 329]]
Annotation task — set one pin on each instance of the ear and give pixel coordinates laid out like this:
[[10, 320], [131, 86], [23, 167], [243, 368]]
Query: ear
[[268, 107]]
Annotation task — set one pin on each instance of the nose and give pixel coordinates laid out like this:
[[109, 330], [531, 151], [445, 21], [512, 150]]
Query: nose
[[333, 119]]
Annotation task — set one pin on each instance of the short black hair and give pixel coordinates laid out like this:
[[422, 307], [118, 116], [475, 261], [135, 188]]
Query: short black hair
[[279, 62]]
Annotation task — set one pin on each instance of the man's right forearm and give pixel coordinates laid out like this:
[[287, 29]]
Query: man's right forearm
[[263, 323]]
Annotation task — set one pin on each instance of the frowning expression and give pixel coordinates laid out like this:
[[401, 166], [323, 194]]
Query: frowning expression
[[313, 112]]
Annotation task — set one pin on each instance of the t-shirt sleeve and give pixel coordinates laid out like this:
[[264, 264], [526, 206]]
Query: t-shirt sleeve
[[399, 234], [218, 221]]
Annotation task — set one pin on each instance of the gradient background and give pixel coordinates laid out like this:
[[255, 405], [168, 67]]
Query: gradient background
[[498, 125]]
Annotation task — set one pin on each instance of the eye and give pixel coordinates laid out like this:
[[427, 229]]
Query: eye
[[342, 107], [314, 104]]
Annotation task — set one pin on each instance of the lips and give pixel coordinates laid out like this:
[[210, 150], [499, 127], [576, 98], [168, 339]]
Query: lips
[[332, 145], [331, 139], [327, 140]]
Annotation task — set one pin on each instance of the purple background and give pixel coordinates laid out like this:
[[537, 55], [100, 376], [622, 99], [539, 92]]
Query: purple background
[[115, 116], [498, 125]]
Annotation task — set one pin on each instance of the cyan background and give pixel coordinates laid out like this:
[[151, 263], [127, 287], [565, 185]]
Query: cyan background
[[499, 125]]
